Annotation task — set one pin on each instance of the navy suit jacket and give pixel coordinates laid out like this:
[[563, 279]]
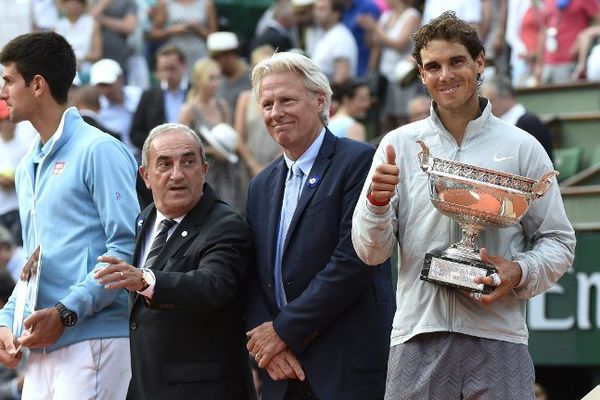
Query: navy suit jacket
[[339, 312]]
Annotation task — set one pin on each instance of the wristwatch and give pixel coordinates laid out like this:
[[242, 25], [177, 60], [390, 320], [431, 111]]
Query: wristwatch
[[67, 317], [148, 279]]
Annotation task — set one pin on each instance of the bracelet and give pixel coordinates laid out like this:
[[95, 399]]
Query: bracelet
[[376, 202]]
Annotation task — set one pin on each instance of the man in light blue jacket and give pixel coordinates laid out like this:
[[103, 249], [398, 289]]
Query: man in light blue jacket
[[76, 190]]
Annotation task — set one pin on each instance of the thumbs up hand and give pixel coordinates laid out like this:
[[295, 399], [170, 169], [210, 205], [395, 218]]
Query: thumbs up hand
[[384, 179]]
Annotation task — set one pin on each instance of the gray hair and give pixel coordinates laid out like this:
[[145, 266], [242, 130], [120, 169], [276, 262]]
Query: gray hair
[[169, 127], [314, 80]]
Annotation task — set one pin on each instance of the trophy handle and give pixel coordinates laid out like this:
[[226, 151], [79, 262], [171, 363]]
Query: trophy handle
[[541, 186], [424, 155]]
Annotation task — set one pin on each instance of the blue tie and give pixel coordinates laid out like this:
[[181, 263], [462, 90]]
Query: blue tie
[[293, 188]]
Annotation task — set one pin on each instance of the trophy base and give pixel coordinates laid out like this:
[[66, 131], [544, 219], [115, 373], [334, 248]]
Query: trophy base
[[445, 269]]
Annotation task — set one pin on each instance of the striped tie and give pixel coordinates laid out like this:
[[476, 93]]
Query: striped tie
[[159, 241]]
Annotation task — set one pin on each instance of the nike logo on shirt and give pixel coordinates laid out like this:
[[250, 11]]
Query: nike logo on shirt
[[498, 159]]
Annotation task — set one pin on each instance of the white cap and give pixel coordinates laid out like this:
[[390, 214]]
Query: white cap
[[224, 139], [302, 3], [221, 41], [105, 71]]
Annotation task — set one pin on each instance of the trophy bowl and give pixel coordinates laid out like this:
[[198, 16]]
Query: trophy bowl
[[475, 198]]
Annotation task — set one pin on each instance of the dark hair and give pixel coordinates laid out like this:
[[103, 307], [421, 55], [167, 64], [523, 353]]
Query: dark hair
[[7, 285], [43, 53], [347, 88], [338, 6], [447, 27], [170, 49]]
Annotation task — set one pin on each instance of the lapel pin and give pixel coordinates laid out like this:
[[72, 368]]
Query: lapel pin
[[313, 181], [184, 234], [140, 223]]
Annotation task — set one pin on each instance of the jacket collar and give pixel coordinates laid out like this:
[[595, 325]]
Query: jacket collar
[[474, 127]]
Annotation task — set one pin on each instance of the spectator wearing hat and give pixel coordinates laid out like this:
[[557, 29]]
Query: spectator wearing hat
[[223, 48], [117, 101], [206, 112], [12, 150]]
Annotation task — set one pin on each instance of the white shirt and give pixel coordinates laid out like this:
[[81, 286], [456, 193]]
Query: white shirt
[[513, 115], [337, 43], [118, 117], [147, 245]]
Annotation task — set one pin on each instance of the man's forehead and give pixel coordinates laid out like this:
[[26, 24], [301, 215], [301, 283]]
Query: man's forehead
[[172, 144], [442, 48], [273, 81]]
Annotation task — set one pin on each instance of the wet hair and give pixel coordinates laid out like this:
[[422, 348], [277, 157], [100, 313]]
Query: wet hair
[[47, 54], [171, 127], [314, 80], [450, 28]]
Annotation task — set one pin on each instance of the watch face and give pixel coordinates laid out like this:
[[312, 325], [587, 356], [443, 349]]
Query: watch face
[[69, 319]]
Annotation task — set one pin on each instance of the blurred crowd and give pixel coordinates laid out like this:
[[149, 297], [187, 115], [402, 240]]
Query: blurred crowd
[[142, 63], [145, 62]]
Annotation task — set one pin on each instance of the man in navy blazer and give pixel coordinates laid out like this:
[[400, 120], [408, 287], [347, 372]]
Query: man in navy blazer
[[320, 319]]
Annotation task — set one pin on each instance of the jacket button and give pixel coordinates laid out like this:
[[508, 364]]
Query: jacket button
[[133, 326]]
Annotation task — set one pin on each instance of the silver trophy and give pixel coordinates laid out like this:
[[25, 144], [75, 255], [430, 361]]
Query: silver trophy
[[27, 291], [476, 198]]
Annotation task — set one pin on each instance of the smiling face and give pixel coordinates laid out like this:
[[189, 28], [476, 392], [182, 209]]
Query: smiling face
[[450, 75], [175, 173], [290, 111]]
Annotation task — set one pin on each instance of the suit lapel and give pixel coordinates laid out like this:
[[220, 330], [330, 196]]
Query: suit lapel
[[144, 222], [187, 229], [275, 195], [311, 185], [184, 232]]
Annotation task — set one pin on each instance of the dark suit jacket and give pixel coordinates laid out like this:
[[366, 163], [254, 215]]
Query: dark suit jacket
[[531, 123], [97, 124], [340, 310], [276, 39], [149, 114], [188, 342]]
